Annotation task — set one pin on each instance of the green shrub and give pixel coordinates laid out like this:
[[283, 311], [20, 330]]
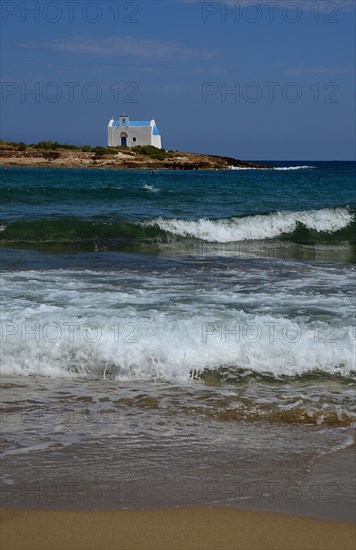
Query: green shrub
[[50, 145], [7, 145], [151, 151], [69, 147], [101, 151], [54, 146]]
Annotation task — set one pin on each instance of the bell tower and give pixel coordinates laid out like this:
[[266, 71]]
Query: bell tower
[[123, 120]]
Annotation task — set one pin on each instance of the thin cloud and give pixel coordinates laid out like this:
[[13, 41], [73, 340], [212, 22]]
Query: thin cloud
[[320, 70], [127, 46], [307, 5]]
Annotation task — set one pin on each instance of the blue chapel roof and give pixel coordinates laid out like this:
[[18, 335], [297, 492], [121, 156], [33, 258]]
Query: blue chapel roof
[[134, 123], [139, 123]]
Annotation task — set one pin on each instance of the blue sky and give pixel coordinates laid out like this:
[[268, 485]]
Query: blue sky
[[263, 80]]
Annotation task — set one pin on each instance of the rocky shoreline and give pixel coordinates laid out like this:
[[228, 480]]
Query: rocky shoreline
[[114, 158]]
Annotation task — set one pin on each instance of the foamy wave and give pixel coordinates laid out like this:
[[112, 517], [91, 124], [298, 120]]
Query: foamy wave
[[150, 188], [148, 327], [293, 167], [256, 227], [305, 167], [169, 349], [247, 168]]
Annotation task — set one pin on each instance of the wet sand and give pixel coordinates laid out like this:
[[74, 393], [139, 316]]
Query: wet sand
[[170, 529]]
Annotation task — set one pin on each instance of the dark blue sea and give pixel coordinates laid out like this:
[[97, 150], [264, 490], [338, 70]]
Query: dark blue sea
[[178, 333]]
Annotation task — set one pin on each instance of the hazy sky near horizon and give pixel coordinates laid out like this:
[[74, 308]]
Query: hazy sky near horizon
[[263, 80]]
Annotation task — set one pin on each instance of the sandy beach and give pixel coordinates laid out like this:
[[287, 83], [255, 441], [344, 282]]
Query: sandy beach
[[171, 529]]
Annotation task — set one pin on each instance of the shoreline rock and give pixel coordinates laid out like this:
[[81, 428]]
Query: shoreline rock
[[118, 158]]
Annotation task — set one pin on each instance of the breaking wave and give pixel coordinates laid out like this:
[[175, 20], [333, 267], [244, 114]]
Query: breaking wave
[[154, 346], [304, 167], [257, 227]]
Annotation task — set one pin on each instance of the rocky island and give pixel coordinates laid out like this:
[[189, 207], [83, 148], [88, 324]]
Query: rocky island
[[51, 154]]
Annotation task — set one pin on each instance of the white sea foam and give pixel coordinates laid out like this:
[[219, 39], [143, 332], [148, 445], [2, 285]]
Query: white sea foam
[[70, 326], [292, 167], [255, 227], [162, 348], [150, 188], [246, 168], [304, 167]]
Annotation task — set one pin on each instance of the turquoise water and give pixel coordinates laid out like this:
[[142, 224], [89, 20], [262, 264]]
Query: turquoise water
[[196, 304], [185, 257], [124, 210]]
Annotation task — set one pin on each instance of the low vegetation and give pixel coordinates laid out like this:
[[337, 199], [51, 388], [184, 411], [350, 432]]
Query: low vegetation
[[153, 152], [141, 156], [147, 150]]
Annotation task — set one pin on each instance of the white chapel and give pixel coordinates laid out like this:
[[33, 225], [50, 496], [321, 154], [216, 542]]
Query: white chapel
[[126, 132]]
